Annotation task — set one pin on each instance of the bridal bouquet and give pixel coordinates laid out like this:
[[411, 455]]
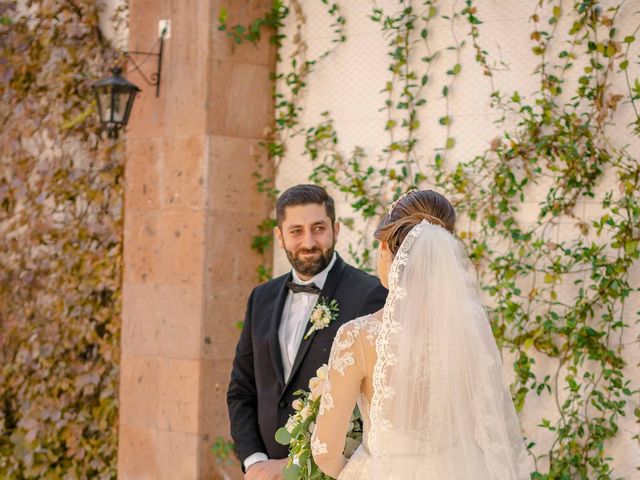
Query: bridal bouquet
[[299, 428]]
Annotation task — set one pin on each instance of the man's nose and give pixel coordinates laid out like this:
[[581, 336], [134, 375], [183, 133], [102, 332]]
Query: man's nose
[[308, 241]]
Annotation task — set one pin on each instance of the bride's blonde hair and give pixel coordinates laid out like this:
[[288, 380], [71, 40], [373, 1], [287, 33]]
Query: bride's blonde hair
[[410, 210]]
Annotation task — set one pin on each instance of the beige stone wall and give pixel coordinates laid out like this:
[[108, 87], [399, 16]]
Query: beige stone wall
[[191, 210]]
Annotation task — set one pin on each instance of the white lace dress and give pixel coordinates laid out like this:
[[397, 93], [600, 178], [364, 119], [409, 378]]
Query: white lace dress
[[350, 367]]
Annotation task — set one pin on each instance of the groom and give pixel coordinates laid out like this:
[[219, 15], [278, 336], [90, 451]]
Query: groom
[[276, 353]]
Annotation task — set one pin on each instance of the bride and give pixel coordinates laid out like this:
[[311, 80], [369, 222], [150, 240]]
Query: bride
[[425, 371]]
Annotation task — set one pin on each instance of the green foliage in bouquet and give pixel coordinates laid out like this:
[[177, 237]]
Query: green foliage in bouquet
[[299, 429]]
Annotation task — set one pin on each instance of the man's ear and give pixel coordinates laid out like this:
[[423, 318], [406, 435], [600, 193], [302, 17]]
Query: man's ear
[[336, 231], [278, 234]]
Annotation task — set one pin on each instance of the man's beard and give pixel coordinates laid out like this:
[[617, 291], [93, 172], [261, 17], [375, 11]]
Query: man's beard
[[311, 267]]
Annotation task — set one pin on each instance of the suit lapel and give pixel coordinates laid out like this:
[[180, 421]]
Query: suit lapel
[[328, 291], [276, 355]]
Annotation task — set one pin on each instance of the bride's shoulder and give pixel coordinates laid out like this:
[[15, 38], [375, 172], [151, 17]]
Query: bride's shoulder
[[365, 327]]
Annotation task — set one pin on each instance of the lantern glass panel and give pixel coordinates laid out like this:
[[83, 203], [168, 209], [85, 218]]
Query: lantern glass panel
[[103, 96], [119, 106]]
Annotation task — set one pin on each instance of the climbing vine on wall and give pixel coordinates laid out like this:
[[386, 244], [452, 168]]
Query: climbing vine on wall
[[560, 300], [563, 297], [60, 245], [288, 88]]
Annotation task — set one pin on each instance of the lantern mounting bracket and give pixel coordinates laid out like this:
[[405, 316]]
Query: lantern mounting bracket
[[154, 79]]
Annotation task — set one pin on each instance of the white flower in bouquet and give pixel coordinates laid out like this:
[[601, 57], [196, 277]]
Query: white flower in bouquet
[[318, 383], [297, 404], [322, 373], [306, 412], [291, 424]]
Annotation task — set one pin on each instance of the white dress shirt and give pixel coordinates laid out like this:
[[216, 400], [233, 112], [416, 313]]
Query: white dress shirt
[[295, 317]]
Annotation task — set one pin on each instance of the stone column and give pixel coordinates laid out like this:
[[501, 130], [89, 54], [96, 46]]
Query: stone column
[[191, 209]]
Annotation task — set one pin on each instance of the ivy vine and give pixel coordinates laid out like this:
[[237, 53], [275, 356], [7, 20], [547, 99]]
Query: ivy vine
[[60, 245], [288, 89]]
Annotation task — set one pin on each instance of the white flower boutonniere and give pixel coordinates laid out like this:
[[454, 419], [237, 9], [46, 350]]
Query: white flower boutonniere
[[322, 315]]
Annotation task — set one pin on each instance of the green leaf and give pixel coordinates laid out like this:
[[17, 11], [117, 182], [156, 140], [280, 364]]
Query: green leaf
[[291, 472], [631, 247], [624, 64], [610, 50], [528, 343], [451, 142], [537, 50], [223, 15], [283, 436]]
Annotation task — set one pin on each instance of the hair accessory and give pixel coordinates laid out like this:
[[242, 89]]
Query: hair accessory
[[393, 205]]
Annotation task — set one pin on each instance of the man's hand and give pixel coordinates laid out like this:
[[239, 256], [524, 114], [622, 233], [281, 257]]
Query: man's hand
[[267, 470]]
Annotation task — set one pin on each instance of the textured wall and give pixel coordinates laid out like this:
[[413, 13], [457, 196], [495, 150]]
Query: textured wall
[[189, 220]]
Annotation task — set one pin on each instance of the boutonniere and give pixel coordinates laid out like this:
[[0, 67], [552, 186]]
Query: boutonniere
[[322, 315]]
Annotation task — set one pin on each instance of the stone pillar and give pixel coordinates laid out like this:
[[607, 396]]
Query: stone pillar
[[191, 209]]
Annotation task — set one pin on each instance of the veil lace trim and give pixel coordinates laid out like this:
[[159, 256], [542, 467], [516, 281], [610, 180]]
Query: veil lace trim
[[385, 357], [491, 442]]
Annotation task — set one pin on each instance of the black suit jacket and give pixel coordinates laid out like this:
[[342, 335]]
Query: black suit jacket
[[258, 398]]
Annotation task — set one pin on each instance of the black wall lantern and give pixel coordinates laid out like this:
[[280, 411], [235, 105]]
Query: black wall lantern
[[115, 95], [114, 98]]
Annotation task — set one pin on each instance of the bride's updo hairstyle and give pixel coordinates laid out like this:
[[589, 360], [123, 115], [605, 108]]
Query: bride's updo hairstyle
[[411, 209]]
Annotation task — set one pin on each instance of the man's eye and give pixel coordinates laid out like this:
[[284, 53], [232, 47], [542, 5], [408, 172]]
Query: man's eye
[[319, 229], [294, 232]]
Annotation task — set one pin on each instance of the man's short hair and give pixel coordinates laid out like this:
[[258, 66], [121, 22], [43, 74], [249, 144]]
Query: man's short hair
[[305, 195]]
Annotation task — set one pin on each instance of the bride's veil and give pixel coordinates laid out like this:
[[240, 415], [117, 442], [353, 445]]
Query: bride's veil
[[440, 408]]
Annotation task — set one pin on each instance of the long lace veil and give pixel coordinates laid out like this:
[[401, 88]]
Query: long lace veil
[[440, 408]]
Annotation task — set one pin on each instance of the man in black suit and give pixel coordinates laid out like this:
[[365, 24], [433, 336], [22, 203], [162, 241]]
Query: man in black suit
[[276, 355]]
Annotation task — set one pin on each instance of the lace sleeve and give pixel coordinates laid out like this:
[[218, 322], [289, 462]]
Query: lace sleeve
[[346, 371]]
